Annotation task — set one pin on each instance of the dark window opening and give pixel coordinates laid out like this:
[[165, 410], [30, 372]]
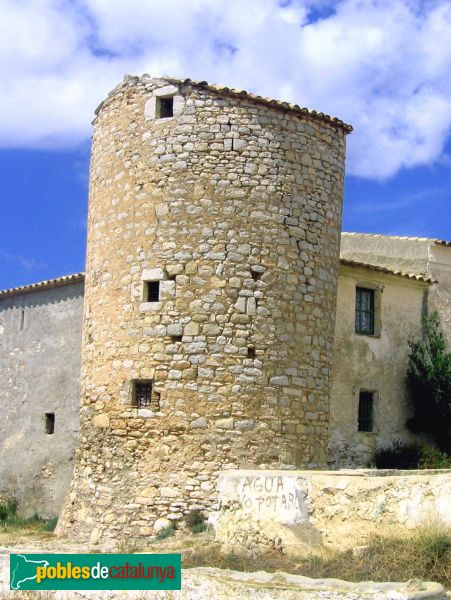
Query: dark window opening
[[365, 411], [176, 338], [251, 352], [22, 320], [256, 276], [142, 394], [49, 423], [152, 291], [364, 311], [165, 107]]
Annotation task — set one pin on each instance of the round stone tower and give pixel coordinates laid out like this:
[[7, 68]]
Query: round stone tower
[[213, 243]]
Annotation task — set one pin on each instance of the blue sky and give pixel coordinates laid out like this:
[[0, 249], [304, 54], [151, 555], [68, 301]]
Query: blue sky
[[382, 65]]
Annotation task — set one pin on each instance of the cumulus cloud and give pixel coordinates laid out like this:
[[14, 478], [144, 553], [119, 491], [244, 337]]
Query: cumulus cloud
[[382, 65]]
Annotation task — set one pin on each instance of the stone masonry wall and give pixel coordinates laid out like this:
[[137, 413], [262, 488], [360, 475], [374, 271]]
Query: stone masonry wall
[[234, 206]]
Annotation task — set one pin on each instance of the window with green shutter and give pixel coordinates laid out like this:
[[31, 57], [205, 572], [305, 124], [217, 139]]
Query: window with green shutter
[[364, 311]]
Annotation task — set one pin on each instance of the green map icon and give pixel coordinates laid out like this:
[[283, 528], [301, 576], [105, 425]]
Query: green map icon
[[23, 569]]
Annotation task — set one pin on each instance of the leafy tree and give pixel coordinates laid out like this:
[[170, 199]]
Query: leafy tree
[[429, 384]]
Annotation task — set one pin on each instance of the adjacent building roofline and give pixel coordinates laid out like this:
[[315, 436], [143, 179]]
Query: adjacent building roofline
[[399, 237], [80, 277], [43, 285], [354, 263], [234, 93]]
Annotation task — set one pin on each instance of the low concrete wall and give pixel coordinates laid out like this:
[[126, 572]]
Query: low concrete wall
[[303, 511]]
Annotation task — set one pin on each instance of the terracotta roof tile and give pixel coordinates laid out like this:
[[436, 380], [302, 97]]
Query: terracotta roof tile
[[399, 237], [280, 104], [223, 90], [355, 263], [42, 285]]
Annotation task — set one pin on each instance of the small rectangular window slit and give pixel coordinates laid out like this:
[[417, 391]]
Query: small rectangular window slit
[[152, 291], [49, 423], [176, 338], [256, 276], [165, 107], [143, 394], [251, 352], [22, 320], [366, 411]]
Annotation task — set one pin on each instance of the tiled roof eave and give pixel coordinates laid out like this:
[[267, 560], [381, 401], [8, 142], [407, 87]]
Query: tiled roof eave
[[279, 104], [411, 276], [130, 80], [398, 237], [43, 285], [80, 277]]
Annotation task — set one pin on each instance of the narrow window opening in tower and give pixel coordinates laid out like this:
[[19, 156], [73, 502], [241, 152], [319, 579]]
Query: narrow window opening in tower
[[22, 320], [165, 107], [251, 352], [49, 423], [256, 276], [176, 338], [151, 291], [142, 393]]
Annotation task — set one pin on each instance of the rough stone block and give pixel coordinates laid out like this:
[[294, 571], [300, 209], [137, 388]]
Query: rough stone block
[[155, 274], [200, 423], [224, 423], [279, 380]]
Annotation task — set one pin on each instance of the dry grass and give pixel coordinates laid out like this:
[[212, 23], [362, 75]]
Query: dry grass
[[426, 555], [14, 527], [23, 534]]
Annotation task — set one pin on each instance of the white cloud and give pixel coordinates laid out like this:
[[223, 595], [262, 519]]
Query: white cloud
[[27, 263], [382, 65], [406, 202]]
